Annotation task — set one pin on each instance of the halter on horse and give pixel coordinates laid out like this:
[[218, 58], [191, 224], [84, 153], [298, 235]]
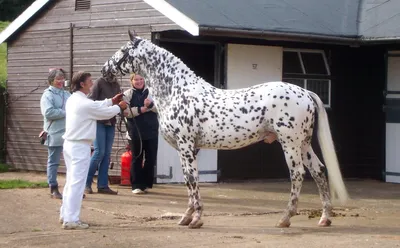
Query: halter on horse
[[193, 115]]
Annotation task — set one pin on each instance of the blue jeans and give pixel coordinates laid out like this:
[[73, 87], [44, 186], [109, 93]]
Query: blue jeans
[[101, 155], [53, 161]]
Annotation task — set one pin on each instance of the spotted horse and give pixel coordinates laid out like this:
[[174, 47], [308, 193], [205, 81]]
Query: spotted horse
[[194, 115]]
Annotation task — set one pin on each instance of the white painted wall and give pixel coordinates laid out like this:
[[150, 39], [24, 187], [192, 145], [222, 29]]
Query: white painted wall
[[392, 152], [168, 157], [249, 65]]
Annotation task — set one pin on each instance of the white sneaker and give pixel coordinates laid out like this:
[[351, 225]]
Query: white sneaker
[[74, 225], [138, 191]]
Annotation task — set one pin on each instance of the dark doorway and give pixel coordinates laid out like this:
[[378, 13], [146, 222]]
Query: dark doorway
[[200, 58]]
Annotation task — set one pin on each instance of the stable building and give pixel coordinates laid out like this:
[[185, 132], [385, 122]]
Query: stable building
[[345, 51]]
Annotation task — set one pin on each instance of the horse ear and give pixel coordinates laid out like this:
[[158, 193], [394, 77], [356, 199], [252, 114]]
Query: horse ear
[[132, 34]]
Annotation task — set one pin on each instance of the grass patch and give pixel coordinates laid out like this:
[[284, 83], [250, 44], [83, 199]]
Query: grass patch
[[18, 184], [3, 57], [4, 168]]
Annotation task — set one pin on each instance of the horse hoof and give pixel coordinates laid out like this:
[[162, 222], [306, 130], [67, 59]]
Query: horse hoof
[[196, 224], [283, 224], [324, 222], [185, 221]]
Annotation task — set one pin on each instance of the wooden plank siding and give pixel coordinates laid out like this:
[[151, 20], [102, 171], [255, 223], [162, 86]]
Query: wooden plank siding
[[29, 59], [45, 43]]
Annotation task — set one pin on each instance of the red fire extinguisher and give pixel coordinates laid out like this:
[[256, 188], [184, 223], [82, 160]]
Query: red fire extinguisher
[[126, 159]]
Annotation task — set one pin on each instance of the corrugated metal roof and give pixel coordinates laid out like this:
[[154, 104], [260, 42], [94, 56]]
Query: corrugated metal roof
[[362, 19], [379, 19], [327, 17]]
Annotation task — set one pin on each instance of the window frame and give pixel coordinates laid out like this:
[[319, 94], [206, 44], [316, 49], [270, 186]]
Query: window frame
[[310, 76]]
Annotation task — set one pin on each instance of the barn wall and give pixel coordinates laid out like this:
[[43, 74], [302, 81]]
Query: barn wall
[[45, 43], [29, 59], [249, 65]]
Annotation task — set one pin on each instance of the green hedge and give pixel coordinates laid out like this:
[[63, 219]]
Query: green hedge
[[3, 58], [3, 78]]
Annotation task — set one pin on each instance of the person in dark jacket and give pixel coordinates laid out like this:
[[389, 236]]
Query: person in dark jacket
[[105, 131], [142, 133]]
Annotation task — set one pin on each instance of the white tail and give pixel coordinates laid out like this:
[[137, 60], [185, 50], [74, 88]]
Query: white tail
[[336, 183]]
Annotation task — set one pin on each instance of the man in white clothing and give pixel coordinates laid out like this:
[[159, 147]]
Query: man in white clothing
[[80, 131]]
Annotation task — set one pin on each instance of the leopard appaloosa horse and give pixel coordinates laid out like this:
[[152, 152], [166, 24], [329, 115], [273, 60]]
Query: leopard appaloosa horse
[[194, 115]]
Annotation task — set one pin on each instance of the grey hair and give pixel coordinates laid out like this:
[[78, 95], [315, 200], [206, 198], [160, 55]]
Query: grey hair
[[55, 73]]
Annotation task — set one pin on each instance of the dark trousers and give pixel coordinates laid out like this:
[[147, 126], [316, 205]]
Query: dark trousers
[[142, 178]]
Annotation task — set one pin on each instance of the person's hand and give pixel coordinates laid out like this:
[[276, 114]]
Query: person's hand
[[117, 98], [143, 109], [147, 102], [123, 105], [126, 113]]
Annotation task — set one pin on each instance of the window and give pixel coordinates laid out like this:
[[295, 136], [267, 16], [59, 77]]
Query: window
[[309, 70], [82, 4]]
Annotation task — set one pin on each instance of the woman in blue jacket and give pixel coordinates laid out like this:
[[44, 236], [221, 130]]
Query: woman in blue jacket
[[52, 106]]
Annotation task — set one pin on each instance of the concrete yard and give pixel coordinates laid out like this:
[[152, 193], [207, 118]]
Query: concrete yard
[[235, 215]]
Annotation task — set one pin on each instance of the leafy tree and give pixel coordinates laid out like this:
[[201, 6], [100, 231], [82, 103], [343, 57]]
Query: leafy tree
[[11, 9], [3, 57]]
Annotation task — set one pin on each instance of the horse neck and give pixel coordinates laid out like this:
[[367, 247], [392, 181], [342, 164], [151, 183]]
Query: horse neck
[[168, 74]]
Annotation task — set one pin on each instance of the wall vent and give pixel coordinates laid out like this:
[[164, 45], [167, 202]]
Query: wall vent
[[82, 4]]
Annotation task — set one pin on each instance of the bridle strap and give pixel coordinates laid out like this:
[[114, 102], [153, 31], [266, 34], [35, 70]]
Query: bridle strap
[[118, 64]]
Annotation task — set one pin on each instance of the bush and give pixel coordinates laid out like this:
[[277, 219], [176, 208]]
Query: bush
[[3, 57], [4, 168]]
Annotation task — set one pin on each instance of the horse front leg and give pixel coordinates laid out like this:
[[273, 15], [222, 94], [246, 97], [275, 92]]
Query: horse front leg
[[191, 177], [187, 216]]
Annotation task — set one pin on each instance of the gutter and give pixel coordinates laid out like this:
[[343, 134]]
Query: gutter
[[379, 40], [278, 35], [296, 37]]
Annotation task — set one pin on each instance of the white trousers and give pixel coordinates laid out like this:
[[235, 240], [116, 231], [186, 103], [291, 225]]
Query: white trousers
[[77, 161]]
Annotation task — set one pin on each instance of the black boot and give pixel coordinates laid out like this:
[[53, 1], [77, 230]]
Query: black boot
[[55, 194]]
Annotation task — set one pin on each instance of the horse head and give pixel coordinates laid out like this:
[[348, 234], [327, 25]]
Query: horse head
[[126, 59]]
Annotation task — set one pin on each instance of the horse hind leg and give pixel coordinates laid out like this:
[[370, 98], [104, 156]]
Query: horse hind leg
[[295, 164], [191, 177], [317, 171]]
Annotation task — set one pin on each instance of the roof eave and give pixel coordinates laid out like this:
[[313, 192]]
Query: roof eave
[[379, 40], [278, 35], [175, 15], [22, 19], [296, 36]]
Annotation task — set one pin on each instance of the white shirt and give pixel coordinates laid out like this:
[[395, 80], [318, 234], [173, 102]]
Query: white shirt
[[82, 114]]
